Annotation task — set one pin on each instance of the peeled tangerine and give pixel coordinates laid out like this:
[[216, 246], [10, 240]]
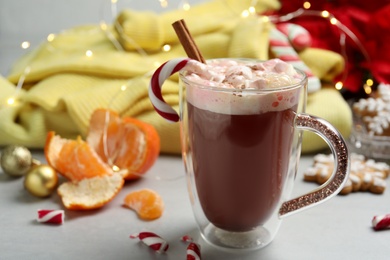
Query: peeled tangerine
[[147, 203], [127, 145]]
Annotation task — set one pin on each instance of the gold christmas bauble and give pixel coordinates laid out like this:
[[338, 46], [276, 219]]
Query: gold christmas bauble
[[16, 160], [41, 180]]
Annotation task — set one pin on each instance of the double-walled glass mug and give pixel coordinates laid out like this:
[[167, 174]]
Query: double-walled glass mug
[[241, 149]]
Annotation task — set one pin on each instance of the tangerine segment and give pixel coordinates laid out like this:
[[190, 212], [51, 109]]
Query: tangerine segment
[[147, 203], [99, 119], [74, 159], [90, 193], [125, 146], [127, 143], [151, 150], [104, 134], [53, 147]]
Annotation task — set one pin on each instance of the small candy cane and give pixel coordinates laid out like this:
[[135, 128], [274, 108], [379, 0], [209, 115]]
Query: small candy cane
[[298, 36], [186, 238], [381, 222], [193, 252], [159, 76], [193, 249], [153, 241], [282, 49], [50, 216]]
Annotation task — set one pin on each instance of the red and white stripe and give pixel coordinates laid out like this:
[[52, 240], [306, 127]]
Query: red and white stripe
[[153, 241], [50, 216], [381, 222], [298, 36], [155, 87], [186, 238], [282, 48], [193, 252]]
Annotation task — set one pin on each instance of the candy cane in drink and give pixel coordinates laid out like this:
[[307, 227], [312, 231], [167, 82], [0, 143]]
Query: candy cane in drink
[[155, 92]]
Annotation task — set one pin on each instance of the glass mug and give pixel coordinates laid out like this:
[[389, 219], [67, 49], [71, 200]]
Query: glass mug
[[241, 165]]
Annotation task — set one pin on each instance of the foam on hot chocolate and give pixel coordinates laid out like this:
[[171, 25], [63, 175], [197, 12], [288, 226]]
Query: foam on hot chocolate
[[238, 81]]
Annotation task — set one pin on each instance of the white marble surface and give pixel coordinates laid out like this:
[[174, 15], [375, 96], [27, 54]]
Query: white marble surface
[[337, 229]]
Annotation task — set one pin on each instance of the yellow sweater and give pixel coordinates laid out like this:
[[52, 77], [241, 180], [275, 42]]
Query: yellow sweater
[[87, 67]]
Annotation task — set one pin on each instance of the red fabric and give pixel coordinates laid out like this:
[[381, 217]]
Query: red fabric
[[368, 20]]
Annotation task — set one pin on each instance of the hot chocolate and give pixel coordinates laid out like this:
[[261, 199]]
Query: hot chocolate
[[240, 164], [240, 123], [240, 140]]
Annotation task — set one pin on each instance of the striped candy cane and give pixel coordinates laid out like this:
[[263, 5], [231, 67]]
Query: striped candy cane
[[159, 76], [193, 252], [186, 238], [50, 216], [153, 241], [298, 36], [282, 48], [381, 222]]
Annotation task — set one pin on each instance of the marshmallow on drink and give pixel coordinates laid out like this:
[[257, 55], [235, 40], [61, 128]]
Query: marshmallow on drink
[[237, 78]]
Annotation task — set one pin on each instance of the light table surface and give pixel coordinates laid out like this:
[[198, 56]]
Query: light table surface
[[337, 229]]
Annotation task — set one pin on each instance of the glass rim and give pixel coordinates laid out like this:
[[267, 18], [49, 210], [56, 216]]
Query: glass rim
[[302, 82]]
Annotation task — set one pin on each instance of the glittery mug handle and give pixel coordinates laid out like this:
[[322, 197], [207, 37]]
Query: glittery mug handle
[[340, 172]]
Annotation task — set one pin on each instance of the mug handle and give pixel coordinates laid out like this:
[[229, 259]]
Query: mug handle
[[340, 172]]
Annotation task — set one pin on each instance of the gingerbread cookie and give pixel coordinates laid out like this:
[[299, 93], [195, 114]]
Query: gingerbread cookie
[[374, 111], [365, 175]]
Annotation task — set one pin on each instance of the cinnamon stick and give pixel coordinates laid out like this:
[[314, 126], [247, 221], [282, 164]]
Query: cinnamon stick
[[187, 41]]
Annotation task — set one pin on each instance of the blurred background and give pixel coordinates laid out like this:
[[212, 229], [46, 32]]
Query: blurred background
[[30, 22]]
